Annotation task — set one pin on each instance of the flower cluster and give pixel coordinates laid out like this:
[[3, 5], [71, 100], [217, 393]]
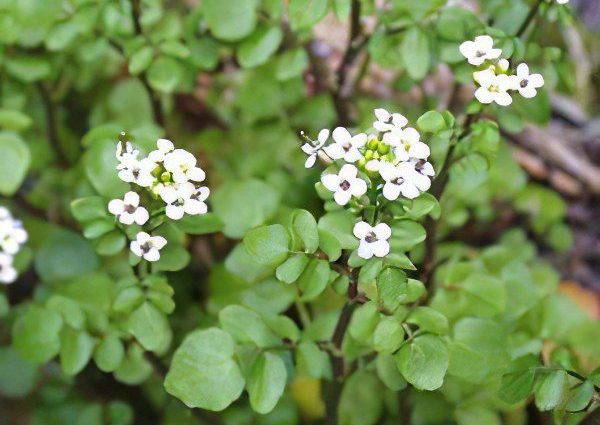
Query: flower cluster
[[12, 237], [168, 175], [392, 161], [495, 83]]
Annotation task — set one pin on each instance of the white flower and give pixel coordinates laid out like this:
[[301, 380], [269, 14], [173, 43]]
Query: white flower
[[527, 84], [493, 88], [386, 121], [345, 184], [398, 180], [12, 234], [164, 147], [132, 170], [147, 246], [562, 1], [406, 144], [312, 150], [182, 166], [8, 274], [479, 50], [373, 240], [184, 198], [129, 151], [128, 210], [374, 165], [345, 145]]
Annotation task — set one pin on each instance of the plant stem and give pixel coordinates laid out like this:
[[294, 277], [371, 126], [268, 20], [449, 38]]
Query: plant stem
[[52, 130], [337, 361], [532, 13], [136, 12], [342, 94]]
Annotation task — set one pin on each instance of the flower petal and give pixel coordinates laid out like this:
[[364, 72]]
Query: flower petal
[[152, 255], [361, 229], [382, 231], [331, 181], [364, 250], [380, 248], [358, 187], [391, 191], [132, 198], [342, 197], [141, 216], [341, 135], [116, 206]]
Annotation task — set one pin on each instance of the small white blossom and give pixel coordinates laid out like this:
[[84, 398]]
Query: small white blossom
[[479, 50], [493, 88], [373, 240], [312, 150], [147, 246], [184, 198], [345, 145], [386, 121], [345, 184], [164, 146], [182, 166], [562, 1], [398, 180], [129, 153], [8, 274], [132, 170], [406, 144], [129, 210], [12, 234], [373, 165], [526, 83]]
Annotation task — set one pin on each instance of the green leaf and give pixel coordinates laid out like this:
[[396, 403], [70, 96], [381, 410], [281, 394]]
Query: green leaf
[[70, 310], [330, 245], [305, 13], [358, 405], [140, 60], [259, 201], [429, 320], [75, 350], [150, 327], [203, 373], [36, 334], [109, 354], [517, 384], [134, 369], [405, 235], [424, 362], [309, 359], [388, 335], [305, 228], [28, 69], [11, 119], [485, 294], [266, 382], [549, 389], [100, 164], [388, 372], [246, 326], [292, 268], [291, 63], [64, 254], [268, 245], [127, 299], [580, 396], [478, 349], [200, 224], [340, 225], [431, 122], [165, 74], [232, 21], [259, 47], [17, 377], [89, 208], [391, 288], [314, 279], [415, 53], [14, 162], [364, 321]]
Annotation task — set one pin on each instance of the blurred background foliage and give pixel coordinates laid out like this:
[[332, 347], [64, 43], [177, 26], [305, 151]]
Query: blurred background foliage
[[234, 82]]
